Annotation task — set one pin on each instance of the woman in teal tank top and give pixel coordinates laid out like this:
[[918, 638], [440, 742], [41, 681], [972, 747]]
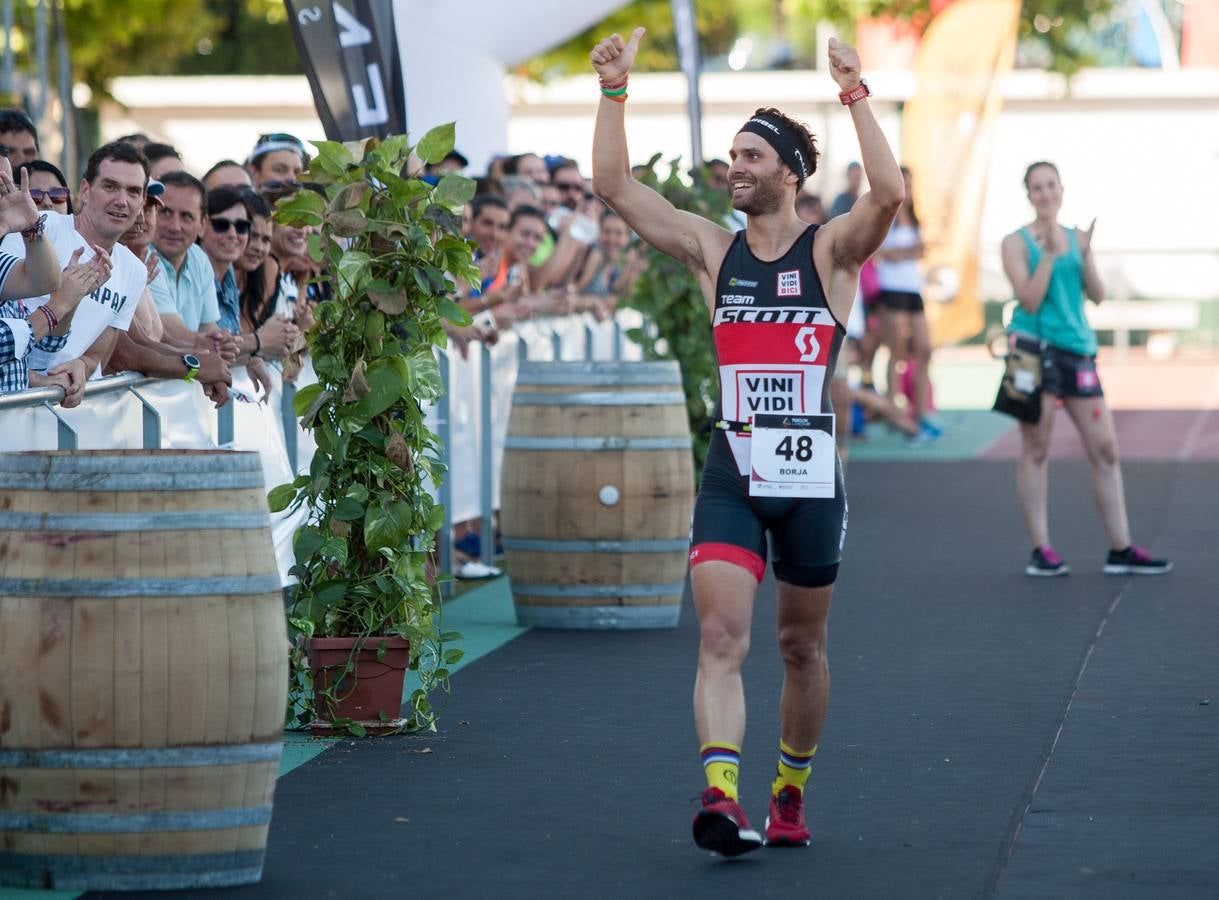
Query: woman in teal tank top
[[1051, 270]]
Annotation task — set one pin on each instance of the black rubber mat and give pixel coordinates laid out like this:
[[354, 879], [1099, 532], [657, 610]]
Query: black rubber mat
[[982, 739]]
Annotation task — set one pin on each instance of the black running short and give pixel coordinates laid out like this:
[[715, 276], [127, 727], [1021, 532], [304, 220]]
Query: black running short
[[806, 534], [900, 301], [1066, 374]]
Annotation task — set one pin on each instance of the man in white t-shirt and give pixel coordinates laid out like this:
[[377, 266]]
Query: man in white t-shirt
[[111, 194]]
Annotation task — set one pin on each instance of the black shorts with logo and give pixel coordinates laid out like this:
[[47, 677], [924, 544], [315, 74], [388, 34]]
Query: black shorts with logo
[[900, 301], [806, 534], [1066, 374]]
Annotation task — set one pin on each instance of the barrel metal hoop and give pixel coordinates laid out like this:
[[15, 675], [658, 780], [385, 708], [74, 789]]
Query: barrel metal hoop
[[164, 871], [142, 757], [596, 443], [149, 481], [548, 545], [198, 520], [139, 587], [608, 374], [108, 823], [593, 398], [598, 590], [132, 463]]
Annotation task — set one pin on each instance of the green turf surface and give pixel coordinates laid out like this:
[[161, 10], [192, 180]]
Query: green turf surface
[[967, 435]]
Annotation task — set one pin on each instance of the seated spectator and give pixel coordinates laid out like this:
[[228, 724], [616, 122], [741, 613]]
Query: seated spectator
[[276, 160], [18, 136], [145, 347], [227, 173], [162, 159], [261, 293], [48, 186], [111, 194]]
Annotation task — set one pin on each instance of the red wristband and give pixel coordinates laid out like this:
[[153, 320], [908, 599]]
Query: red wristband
[[52, 319], [855, 94]]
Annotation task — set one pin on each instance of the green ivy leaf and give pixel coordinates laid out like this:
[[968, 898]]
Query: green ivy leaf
[[280, 497], [387, 526], [300, 209], [390, 300], [306, 542], [332, 157], [455, 190], [348, 510], [353, 267], [389, 379], [437, 143], [453, 312], [347, 223]]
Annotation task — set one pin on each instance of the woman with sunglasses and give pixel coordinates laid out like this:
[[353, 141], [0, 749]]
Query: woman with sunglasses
[[226, 234], [48, 186]]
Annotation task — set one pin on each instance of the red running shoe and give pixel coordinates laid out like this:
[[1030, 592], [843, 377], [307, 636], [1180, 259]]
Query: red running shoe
[[721, 827], [785, 823]]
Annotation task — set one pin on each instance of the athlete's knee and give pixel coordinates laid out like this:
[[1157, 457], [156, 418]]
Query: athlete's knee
[[1036, 450], [802, 647], [1104, 452], [723, 639]]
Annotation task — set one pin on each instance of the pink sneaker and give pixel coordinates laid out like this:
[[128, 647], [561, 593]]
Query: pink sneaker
[[785, 823], [721, 827]]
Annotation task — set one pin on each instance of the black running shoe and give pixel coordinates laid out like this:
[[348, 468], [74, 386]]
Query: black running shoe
[[1134, 560], [1046, 563]]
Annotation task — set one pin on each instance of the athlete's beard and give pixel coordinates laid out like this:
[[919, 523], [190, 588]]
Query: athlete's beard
[[767, 196]]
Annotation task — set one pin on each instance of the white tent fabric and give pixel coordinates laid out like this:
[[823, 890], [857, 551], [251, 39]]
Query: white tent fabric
[[455, 54]]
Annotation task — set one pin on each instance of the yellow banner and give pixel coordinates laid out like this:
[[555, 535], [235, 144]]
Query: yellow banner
[[947, 136]]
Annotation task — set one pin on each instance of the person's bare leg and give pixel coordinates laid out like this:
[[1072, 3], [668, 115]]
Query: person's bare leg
[[920, 358], [803, 613], [1032, 473], [893, 339], [1094, 422], [723, 598]]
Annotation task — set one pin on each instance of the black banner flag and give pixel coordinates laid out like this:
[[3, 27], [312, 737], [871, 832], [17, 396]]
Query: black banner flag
[[349, 53]]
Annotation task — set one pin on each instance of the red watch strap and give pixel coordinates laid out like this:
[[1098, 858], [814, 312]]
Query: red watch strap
[[855, 94]]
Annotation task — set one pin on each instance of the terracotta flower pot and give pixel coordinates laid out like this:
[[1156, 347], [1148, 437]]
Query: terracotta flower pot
[[365, 695]]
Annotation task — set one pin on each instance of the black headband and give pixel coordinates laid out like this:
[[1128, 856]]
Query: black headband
[[783, 138]]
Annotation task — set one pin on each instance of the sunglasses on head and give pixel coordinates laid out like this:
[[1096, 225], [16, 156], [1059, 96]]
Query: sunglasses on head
[[221, 225], [57, 194]]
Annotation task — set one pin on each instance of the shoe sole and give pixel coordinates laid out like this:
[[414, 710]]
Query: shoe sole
[[1135, 570], [1047, 573], [785, 842], [721, 834]]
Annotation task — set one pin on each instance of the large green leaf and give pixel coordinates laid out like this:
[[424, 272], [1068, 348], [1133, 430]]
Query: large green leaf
[[280, 497], [387, 526], [300, 209], [437, 143], [353, 267], [455, 190], [389, 380], [333, 157]]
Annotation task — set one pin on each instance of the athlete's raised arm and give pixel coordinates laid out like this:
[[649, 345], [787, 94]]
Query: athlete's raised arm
[[856, 235], [682, 235]]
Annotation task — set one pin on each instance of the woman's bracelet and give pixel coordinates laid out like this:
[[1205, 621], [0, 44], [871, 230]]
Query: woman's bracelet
[[52, 319], [257, 343]]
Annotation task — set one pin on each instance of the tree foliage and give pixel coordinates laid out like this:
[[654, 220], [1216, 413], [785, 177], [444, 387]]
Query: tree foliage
[[1053, 31]]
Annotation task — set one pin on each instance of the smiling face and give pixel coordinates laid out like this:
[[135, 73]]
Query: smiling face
[[614, 235], [222, 242], [278, 165], [258, 246], [179, 221], [1045, 191], [757, 177], [45, 181], [111, 203], [140, 234], [523, 238], [289, 243]]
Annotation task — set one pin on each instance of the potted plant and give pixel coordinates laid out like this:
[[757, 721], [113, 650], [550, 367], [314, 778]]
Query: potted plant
[[367, 606]]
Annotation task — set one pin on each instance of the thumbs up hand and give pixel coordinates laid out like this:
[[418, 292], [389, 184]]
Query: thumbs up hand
[[844, 64], [613, 57]]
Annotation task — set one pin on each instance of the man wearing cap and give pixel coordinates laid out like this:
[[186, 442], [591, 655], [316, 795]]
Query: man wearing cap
[[277, 158], [778, 293]]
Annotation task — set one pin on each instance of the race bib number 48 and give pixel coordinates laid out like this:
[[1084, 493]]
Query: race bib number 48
[[792, 456]]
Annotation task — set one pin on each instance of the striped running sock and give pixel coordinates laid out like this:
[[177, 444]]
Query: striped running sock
[[722, 762], [794, 768]]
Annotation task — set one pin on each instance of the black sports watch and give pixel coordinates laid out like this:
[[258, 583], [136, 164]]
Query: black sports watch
[[192, 366]]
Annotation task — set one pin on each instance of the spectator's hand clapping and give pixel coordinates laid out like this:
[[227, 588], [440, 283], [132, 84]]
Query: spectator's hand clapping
[[1084, 238], [17, 208], [613, 57], [79, 280]]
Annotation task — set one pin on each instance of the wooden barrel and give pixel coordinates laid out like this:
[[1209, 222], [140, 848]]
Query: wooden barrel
[[143, 669], [597, 488]]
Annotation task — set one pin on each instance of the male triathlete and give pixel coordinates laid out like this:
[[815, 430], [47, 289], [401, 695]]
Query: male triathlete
[[779, 293]]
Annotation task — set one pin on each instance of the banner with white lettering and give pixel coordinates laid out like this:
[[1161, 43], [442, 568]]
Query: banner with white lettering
[[349, 52]]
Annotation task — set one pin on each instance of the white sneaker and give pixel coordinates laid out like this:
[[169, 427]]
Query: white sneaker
[[474, 570]]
